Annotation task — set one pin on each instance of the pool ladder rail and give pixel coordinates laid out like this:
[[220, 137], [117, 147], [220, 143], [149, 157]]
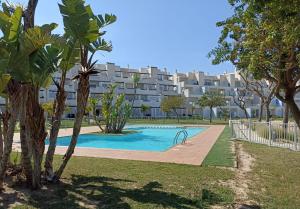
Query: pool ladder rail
[[185, 135]]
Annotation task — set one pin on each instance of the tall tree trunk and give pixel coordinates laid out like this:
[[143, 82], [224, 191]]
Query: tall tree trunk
[[29, 14], [294, 110], [286, 114], [246, 113], [25, 137], [59, 107], [82, 97], [261, 108], [13, 89], [36, 121], [177, 115], [1, 138], [268, 112]]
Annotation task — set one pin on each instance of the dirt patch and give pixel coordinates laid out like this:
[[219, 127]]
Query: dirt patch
[[240, 184]]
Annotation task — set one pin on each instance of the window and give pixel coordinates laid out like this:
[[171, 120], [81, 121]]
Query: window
[[71, 95], [142, 86], [52, 94], [144, 98], [94, 84], [152, 87], [104, 85], [129, 85]]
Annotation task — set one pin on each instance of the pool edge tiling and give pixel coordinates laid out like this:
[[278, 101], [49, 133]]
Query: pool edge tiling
[[192, 153]]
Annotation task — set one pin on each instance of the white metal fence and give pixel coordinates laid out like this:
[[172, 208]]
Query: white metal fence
[[273, 133]]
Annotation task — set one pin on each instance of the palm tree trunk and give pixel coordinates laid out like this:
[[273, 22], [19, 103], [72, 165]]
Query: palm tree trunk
[[82, 97], [59, 107], [1, 138], [25, 137], [13, 89], [36, 121]]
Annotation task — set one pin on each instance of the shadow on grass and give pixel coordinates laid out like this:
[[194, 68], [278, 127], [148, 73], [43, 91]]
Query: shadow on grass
[[103, 192]]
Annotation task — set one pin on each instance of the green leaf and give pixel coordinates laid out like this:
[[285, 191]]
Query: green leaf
[[79, 21], [4, 79], [15, 22]]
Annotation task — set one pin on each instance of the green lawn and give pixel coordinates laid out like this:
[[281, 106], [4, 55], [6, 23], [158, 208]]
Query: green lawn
[[174, 121], [221, 153], [69, 123], [113, 184], [275, 177]]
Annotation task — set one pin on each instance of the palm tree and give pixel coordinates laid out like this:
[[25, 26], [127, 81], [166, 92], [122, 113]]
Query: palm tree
[[135, 80], [70, 56], [85, 28], [30, 58], [10, 27], [144, 109]]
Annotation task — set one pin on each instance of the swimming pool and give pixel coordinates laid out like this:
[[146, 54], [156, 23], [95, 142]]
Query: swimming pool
[[151, 138]]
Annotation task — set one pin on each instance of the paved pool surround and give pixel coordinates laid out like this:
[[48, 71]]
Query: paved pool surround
[[193, 152]]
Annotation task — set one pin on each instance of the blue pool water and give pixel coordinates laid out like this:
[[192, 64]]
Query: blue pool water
[[146, 139]]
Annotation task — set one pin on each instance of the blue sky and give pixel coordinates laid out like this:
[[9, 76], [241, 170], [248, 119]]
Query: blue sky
[[176, 34]]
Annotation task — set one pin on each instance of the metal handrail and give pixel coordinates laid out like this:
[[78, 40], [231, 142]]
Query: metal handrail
[[185, 135]]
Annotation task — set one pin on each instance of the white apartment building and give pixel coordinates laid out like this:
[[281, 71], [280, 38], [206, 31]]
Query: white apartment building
[[154, 85], [194, 84]]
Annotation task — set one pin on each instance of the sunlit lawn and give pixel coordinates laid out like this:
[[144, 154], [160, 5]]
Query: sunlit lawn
[[221, 153], [275, 177]]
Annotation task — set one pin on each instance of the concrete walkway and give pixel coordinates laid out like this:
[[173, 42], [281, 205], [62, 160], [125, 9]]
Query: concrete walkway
[[192, 153]]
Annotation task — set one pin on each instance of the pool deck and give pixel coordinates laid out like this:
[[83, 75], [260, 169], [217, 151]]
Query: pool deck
[[193, 152]]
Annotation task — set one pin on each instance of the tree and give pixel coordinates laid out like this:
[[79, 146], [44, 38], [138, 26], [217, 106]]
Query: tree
[[85, 28], [224, 113], [261, 88], [211, 100], [115, 111], [262, 37], [92, 108], [135, 80], [172, 104], [241, 99], [29, 57], [70, 56], [145, 109]]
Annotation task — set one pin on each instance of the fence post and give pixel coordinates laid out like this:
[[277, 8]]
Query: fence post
[[231, 126], [270, 133], [249, 135], [295, 136]]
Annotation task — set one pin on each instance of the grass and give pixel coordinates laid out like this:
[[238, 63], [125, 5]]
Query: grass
[[275, 177], [221, 153], [174, 121], [69, 123], [124, 132], [108, 183]]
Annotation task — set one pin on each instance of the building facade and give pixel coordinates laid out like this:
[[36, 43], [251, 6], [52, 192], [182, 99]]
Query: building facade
[[154, 85]]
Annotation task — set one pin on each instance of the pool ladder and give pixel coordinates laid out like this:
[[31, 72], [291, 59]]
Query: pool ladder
[[185, 135]]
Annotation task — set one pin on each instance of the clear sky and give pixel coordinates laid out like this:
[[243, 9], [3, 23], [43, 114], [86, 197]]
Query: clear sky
[[176, 34]]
